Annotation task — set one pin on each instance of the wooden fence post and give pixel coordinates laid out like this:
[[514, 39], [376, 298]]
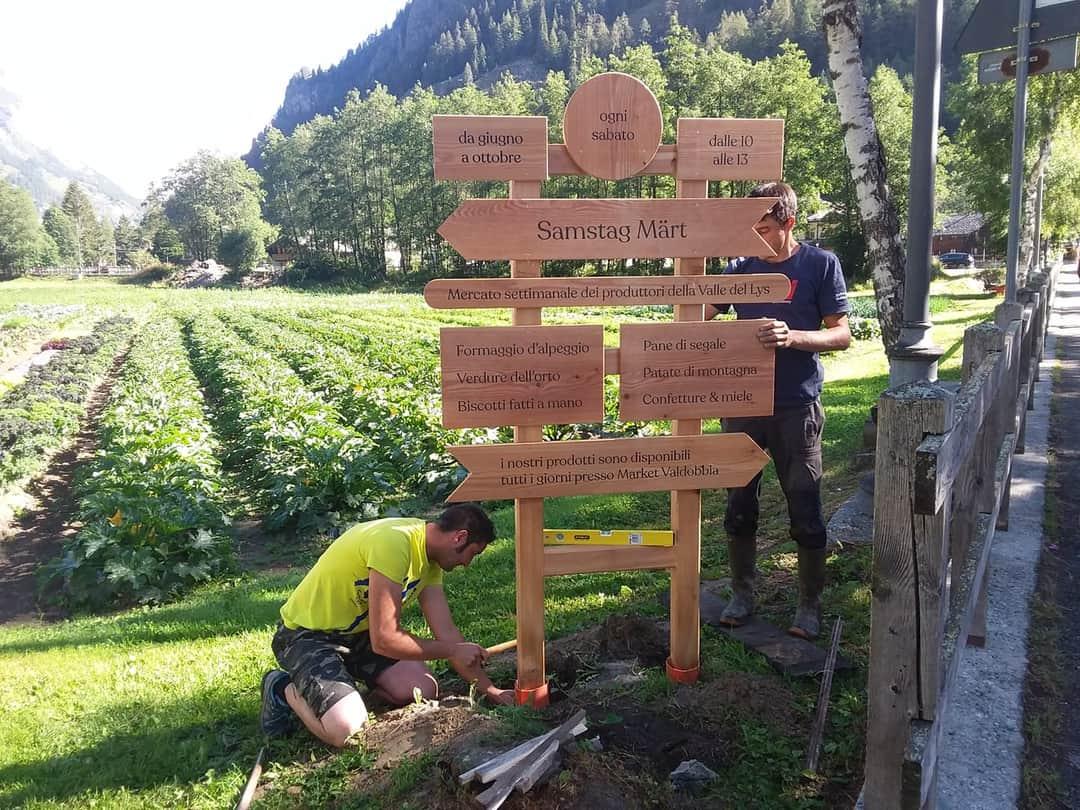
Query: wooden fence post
[[907, 605], [531, 684]]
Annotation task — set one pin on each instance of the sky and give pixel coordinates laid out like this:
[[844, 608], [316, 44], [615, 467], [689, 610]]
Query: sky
[[131, 88]]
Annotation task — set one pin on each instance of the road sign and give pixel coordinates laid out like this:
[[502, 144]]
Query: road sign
[[606, 291], [490, 147], [596, 466], [991, 26], [730, 149], [607, 229], [694, 370], [1046, 57], [612, 126], [522, 375]]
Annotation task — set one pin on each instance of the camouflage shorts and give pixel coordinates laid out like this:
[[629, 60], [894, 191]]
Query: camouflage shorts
[[325, 667]]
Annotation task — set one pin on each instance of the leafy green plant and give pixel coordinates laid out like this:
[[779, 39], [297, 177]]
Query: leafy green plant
[[153, 524], [42, 413]]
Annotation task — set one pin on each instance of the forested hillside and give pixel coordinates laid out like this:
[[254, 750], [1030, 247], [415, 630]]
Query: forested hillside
[[446, 43]]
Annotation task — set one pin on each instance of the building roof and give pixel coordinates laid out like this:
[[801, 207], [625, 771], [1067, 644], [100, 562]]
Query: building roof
[[961, 225]]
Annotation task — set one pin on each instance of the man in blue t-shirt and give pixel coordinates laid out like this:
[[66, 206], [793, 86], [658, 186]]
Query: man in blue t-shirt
[[792, 435]]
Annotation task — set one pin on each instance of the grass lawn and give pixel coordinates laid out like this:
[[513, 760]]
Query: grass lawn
[[157, 707]]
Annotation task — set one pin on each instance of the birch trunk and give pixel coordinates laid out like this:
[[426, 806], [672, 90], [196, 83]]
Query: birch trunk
[[1027, 232], [885, 253]]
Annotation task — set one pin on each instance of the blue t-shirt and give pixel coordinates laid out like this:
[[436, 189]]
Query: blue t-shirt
[[817, 290]]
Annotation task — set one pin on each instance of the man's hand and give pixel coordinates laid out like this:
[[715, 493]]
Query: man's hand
[[774, 335], [500, 697], [467, 656]]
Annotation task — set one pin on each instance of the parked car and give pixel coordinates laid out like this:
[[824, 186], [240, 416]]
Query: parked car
[[956, 258]]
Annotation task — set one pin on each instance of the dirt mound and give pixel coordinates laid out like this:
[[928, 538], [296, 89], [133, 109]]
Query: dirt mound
[[617, 638], [201, 274]]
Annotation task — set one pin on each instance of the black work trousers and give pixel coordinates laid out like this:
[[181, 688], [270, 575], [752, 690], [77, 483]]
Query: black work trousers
[[792, 437]]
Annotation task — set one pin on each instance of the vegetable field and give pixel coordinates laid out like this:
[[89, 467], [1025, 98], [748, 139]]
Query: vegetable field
[[224, 419]]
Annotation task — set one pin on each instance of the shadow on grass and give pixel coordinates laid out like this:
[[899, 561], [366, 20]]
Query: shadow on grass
[[212, 732], [223, 609]]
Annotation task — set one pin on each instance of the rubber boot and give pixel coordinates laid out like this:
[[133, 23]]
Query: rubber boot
[[742, 558], [807, 622]]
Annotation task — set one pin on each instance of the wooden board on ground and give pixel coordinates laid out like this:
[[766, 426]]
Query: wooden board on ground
[[605, 291], [490, 147], [612, 126], [601, 466], [730, 149], [788, 655], [522, 375], [607, 229], [694, 370]]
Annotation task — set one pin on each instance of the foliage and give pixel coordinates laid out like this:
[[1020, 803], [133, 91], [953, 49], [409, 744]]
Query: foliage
[[204, 200], [21, 236], [150, 501], [39, 415], [304, 463]]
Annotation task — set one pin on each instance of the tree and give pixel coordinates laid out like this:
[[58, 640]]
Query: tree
[[206, 197], [126, 239], [877, 211], [21, 236], [61, 230], [84, 223]]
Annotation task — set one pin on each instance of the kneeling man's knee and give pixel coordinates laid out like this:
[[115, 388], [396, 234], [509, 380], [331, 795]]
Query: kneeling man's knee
[[345, 718]]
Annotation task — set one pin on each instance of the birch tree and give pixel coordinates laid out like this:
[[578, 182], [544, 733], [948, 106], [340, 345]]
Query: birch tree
[[885, 254]]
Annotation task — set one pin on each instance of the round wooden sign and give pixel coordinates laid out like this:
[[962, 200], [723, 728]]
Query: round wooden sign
[[612, 126]]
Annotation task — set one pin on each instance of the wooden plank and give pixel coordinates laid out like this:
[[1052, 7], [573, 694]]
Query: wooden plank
[[560, 163], [606, 291], [597, 466], [522, 375], [969, 575], [939, 458], [694, 370], [490, 147], [529, 523], [607, 229], [904, 585], [730, 148], [560, 560], [612, 126], [685, 658]]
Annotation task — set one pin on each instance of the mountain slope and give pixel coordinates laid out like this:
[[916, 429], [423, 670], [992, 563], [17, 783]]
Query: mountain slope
[[46, 176]]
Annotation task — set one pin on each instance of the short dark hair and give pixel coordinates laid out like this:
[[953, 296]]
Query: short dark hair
[[468, 516], [788, 204]]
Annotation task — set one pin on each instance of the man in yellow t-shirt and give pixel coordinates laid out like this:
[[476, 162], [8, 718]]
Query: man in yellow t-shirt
[[342, 624]]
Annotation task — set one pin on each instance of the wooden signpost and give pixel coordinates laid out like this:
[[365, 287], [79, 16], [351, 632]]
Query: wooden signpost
[[605, 291], [529, 375], [606, 466], [606, 229], [694, 370], [522, 375]]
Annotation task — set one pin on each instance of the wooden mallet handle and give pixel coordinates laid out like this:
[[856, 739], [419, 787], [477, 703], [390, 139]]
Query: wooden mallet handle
[[498, 648]]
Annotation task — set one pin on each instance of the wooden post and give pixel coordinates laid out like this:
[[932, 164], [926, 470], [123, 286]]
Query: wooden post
[[531, 684], [907, 611], [1009, 317], [980, 342], [684, 663]]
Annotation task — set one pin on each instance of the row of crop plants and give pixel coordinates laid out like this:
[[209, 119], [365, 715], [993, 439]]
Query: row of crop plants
[[303, 462], [42, 413], [399, 412], [151, 499]]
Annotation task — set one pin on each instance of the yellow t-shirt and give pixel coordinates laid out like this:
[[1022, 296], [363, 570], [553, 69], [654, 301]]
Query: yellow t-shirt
[[333, 597]]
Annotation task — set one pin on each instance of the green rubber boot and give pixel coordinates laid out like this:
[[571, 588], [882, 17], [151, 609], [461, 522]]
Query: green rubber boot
[[742, 558], [807, 622]]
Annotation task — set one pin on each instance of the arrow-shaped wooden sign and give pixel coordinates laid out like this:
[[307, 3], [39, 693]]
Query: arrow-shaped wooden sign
[[597, 466], [607, 229]]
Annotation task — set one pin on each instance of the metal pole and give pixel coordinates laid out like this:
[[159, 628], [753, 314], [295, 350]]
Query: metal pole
[[1038, 224], [915, 355], [1016, 177]]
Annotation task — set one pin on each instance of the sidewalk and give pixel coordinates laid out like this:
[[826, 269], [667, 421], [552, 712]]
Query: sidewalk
[[983, 743]]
